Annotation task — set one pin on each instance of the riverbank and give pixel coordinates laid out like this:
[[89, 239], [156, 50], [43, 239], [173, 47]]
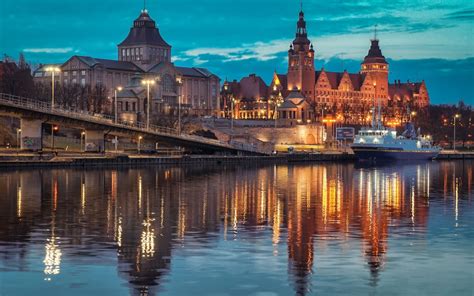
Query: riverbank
[[91, 160], [50, 159]]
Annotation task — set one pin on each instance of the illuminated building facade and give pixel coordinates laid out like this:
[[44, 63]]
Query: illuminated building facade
[[143, 54], [351, 95]]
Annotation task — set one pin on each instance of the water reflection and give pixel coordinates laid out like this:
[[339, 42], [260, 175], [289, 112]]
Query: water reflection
[[145, 214]]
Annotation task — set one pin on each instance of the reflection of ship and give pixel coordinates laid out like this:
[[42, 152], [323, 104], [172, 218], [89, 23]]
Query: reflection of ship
[[379, 142]]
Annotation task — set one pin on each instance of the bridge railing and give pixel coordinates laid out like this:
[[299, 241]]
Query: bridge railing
[[46, 107]]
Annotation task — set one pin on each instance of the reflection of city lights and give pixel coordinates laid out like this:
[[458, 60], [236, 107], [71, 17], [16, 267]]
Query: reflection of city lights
[[276, 223], [52, 259], [19, 198], [456, 201], [148, 239], [119, 232], [83, 197], [140, 192]]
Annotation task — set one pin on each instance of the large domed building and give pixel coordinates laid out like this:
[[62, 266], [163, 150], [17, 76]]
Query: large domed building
[[144, 55]]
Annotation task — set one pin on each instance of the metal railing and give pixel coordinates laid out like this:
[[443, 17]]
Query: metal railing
[[108, 120]]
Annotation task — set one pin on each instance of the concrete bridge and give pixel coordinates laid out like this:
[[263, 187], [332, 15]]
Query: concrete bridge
[[34, 113]]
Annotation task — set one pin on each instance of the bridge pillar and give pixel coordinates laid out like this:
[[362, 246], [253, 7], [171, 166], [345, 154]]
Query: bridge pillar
[[95, 141], [31, 134]]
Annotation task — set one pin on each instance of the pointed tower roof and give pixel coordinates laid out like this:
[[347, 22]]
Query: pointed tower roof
[[375, 53], [301, 33], [144, 31]]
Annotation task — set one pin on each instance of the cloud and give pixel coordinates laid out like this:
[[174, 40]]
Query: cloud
[[49, 50], [461, 15]]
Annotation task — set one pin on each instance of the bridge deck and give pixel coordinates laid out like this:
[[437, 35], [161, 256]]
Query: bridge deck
[[19, 106]]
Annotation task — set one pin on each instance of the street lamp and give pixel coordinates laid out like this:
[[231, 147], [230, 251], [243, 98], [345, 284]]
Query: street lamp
[[179, 83], [83, 136], [118, 89], [412, 114], [454, 134], [148, 82], [54, 128], [18, 137], [139, 142], [53, 71]]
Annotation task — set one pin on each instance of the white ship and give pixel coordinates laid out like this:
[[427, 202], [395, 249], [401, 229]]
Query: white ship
[[381, 143]]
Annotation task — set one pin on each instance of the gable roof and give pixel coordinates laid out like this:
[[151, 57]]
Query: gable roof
[[334, 78], [194, 72], [109, 64], [404, 89]]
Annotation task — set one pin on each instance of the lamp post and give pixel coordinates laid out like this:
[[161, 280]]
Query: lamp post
[[139, 143], [232, 113], [53, 71], [148, 82], [454, 133], [412, 114], [18, 138], [118, 89], [53, 129], [83, 144], [179, 82]]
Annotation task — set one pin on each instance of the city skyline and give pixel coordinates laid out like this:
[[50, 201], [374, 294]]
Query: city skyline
[[413, 34]]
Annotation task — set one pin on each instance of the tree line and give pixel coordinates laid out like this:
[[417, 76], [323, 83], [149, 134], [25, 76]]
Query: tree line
[[16, 78]]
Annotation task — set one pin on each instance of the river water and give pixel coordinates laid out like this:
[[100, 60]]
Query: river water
[[316, 229]]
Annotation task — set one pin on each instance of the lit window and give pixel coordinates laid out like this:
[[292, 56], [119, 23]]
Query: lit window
[[83, 81], [83, 72], [74, 73]]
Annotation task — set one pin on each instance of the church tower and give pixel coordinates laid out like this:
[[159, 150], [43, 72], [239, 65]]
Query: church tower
[[144, 45], [375, 67], [301, 74]]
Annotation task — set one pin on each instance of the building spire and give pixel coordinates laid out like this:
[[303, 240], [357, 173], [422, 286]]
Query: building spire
[[375, 32], [144, 5], [301, 5]]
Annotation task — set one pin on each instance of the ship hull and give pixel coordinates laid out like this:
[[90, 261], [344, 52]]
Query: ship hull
[[373, 154]]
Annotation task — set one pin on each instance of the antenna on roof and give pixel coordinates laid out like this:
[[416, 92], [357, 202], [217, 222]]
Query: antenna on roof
[[375, 32], [301, 5], [144, 5]]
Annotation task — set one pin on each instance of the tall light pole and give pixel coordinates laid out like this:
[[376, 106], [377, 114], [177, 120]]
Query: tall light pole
[[53, 129], [232, 100], [118, 89], [148, 82], [83, 135], [179, 83], [454, 134], [18, 138], [53, 71], [138, 143]]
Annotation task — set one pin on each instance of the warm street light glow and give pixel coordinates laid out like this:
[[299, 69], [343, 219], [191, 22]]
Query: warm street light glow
[[53, 70], [119, 88], [148, 82]]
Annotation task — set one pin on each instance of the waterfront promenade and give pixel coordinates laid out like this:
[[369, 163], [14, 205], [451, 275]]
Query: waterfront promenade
[[13, 159]]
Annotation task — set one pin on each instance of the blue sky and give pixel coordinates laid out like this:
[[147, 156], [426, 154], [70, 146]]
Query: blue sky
[[431, 40]]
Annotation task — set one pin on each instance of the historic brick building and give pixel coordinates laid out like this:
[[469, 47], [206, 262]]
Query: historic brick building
[[143, 54], [347, 96]]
